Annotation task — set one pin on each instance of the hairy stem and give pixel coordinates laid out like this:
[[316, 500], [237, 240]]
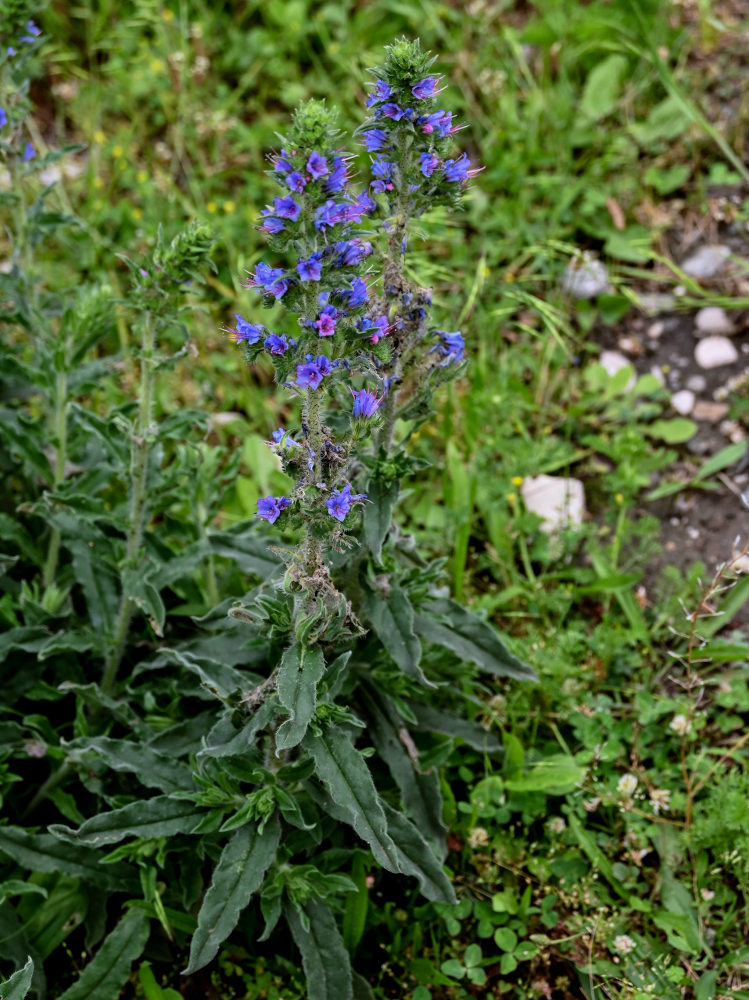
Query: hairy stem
[[60, 428]]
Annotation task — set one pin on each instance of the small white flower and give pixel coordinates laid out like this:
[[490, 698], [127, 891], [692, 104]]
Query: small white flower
[[707, 894], [660, 799], [624, 944], [557, 824], [478, 837], [626, 785], [592, 804], [680, 724]]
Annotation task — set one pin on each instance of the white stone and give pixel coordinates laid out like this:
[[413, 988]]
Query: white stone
[[713, 320], [683, 402], [613, 361], [712, 352], [657, 372], [655, 329], [556, 499], [706, 261], [697, 383], [656, 302], [585, 279], [740, 565]]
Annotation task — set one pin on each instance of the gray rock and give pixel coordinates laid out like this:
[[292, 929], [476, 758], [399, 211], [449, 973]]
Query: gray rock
[[683, 402], [556, 499], [707, 261], [613, 361], [585, 279], [713, 320], [712, 352], [697, 383], [653, 303]]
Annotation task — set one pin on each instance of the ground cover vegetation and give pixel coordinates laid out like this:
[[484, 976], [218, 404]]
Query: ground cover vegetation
[[583, 835]]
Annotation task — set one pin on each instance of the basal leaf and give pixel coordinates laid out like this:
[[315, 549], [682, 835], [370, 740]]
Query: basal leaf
[[42, 852], [378, 513], [345, 774], [470, 638], [19, 984], [433, 720], [157, 817], [301, 669], [239, 872], [415, 857], [153, 769], [324, 957], [392, 618], [104, 977]]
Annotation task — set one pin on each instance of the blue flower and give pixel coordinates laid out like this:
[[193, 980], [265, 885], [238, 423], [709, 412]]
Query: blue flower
[[392, 111], [338, 176], [283, 437], [28, 152], [428, 163], [374, 139], [272, 225], [340, 501], [382, 168], [352, 252], [276, 344], [442, 121], [451, 348], [270, 279], [317, 166], [269, 508], [326, 321], [323, 364], [246, 331], [381, 93], [425, 88], [358, 294], [457, 170], [296, 181], [282, 166], [3, 118], [365, 403], [310, 269], [308, 375], [286, 208]]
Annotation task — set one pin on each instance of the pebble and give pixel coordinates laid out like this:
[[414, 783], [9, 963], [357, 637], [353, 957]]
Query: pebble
[[558, 500], [733, 430], [697, 383], [712, 352], [741, 565], [706, 262], [613, 361], [705, 410], [653, 303], [714, 320], [683, 402], [655, 330], [657, 372], [632, 345], [585, 280], [693, 533]]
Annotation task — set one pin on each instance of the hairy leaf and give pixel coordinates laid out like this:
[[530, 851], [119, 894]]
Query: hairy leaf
[[19, 984], [157, 817], [324, 957], [415, 857], [298, 677], [104, 977], [378, 513], [239, 872], [153, 769], [430, 719], [345, 774], [42, 852], [470, 638], [392, 618]]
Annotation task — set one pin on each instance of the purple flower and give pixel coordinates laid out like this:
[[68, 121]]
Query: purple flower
[[338, 176], [317, 166], [270, 507], [374, 139], [440, 120], [296, 181], [326, 322], [451, 348], [365, 403], [352, 252], [365, 202], [323, 364], [28, 152], [358, 294], [282, 165], [310, 269], [246, 331], [381, 329], [286, 208], [283, 437], [3, 118], [272, 225], [276, 344], [425, 88], [428, 163], [340, 501], [382, 169], [308, 376], [381, 93], [32, 29], [270, 279], [457, 170], [392, 111]]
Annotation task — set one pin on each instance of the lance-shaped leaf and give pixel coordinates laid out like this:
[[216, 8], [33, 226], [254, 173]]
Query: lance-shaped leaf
[[19, 983], [42, 852], [238, 743], [416, 858], [157, 817], [431, 720], [324, 957], [344, 772], [378, 513], [392, 618], [299, 674], [153, 769], [420, 792], [470, 638], [239, 872], [104, 977]]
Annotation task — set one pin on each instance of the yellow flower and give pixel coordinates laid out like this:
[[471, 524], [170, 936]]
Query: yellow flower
[[117, 152], [229, 207], [142, 176], [168, 15], [211, 207], [517, 480], [99, 136], [157, 66]]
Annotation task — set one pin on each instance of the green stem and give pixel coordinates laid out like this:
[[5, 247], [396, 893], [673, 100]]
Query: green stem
[[60, 424], [138, 475], [211, 583], [312, 550]]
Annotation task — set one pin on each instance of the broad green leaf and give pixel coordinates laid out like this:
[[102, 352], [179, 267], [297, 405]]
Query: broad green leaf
[[153, 769], [357, 904], [420, 792], [221, 680], [98, 583], [298, 676], [392, 618], [243, 546], [362, 989], [704, 988], [430, 719], [722, 459], [240, 742], [104, 977], [42, 852], [470, 638], [378, 513], [665, 122], [558, 772], [28, 638], [345, 774], [136, 585], [15, 887], [324, 957], [157, 817], [602, 87], [415, 857], [239, 872], [19, 984], [674, 431]]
